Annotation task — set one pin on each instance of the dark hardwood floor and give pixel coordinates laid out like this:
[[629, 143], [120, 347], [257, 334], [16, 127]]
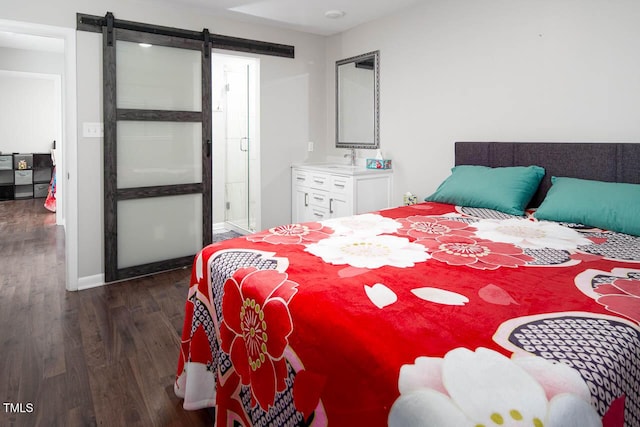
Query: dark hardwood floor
[[104, 356]]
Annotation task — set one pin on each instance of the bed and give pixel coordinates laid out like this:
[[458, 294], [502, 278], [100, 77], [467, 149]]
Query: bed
[[435, 314]]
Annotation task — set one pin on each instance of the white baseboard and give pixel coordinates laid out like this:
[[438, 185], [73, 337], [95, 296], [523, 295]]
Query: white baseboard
[[88, 282], [229, 226], [222, 227], [218, 227]]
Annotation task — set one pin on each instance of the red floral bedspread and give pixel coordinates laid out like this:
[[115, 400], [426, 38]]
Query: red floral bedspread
[[421, 315]]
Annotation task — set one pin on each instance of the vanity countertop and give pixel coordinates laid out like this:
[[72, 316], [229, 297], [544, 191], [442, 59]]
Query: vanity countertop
[[339, 168]]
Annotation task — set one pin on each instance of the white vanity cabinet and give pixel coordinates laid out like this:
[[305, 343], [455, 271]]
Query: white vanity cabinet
[[321, 192]]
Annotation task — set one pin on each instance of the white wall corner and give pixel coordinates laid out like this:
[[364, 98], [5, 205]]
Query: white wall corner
[[88, 282]]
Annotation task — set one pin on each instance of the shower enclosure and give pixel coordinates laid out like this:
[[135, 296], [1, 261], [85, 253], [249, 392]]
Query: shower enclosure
[[236, 143]]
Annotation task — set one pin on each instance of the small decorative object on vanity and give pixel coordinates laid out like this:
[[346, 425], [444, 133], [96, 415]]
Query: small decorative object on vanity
[[409, 199], [378, 164]]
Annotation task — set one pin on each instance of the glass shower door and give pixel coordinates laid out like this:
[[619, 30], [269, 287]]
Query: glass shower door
[[240, 150]]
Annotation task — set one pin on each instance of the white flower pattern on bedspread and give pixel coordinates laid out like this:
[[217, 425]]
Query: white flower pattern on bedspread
[[359, 241], [362, 225], [369, 252], [485, 388], [530, 234]]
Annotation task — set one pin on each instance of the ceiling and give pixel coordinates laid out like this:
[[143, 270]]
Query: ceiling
[[302, 15]]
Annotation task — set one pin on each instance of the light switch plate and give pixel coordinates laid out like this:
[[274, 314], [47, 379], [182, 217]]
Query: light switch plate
[[92, 130]]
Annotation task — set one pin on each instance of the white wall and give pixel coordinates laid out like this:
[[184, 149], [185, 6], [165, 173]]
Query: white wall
[[30, 105], [496, 70], [31, 61], [29, 112], [289, 87]]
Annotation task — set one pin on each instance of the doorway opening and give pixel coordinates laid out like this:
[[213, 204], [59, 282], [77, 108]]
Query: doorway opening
[[50, 38], [236, 143], [31, 72]]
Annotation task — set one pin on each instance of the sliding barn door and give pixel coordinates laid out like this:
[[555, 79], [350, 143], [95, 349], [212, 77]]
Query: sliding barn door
[[157, 145]]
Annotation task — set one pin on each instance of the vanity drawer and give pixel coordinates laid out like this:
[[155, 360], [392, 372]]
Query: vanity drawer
[[319, 214], [319, 199], [23, 177], [320, 181], [340, 184], [301, 177]]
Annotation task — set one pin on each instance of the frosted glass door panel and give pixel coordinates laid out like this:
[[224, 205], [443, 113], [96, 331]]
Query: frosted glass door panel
[[158, 77], [159, 153], [158, 228]]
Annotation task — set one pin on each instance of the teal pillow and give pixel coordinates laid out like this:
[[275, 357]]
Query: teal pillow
[[507, 189], [613, 206]]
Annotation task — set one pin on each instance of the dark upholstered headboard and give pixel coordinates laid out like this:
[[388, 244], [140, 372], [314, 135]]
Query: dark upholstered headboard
[[614, 162]]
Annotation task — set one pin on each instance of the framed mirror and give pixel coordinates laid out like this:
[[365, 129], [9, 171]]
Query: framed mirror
[[357, 101]]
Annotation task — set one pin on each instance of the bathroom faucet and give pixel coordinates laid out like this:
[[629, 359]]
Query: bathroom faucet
[[352, 156]]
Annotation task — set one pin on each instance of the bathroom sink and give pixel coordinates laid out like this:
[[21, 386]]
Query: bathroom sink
[[346, 167], [339, 168]]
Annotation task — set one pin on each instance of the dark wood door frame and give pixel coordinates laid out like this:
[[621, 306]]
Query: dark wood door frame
[[116, 29], [112, 114], [95, 24]]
